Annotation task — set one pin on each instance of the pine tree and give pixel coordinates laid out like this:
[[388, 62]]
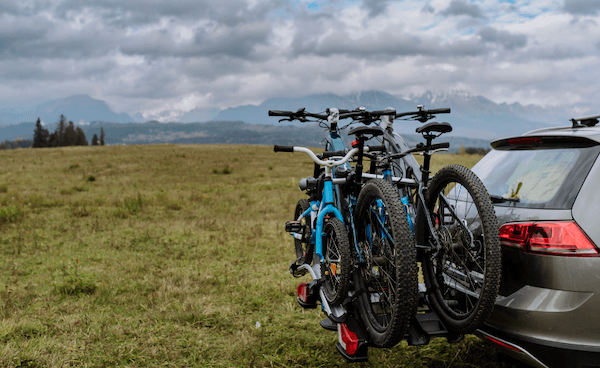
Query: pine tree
[[95, 140], [80, 139], [69, 135], [40, 135], [53, 140], [60, 131], [102, 143]]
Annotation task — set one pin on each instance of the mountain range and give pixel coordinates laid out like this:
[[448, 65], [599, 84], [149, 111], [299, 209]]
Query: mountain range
[[474, 117], [76, 108]]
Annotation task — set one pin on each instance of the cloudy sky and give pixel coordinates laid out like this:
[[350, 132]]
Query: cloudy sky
[[166, 57]]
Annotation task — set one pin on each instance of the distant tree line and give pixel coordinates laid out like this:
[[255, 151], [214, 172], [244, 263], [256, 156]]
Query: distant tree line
[[17, 143], [473, 150], [66, 134]]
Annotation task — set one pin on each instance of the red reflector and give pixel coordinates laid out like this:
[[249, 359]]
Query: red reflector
[[502, 344], [553, 238], [347, 339], [303, 291], [354, 143], [528, 140]]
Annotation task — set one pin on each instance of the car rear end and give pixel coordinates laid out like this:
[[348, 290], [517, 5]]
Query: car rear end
[[545, 189]]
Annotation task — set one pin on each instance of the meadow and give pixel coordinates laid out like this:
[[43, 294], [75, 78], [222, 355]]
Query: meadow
[[167, 255]]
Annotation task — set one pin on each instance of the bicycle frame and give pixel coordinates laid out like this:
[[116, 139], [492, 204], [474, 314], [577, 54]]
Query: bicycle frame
[[326, 204]]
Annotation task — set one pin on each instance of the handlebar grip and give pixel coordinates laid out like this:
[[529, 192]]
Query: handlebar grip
[[277, 148], [445, 110], [400, 114], [380, 148], [280, 113], [434, 147], [328, 154]]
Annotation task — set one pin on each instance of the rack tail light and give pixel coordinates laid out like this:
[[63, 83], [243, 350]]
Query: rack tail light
[[302, 291], [347, 339]]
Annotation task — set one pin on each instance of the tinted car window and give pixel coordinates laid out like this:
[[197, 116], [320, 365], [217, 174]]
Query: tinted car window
[[540, 178]]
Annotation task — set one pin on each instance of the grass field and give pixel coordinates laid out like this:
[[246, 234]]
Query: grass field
[[166, 255]]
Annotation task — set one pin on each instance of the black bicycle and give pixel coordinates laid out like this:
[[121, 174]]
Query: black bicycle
[[454, 224]]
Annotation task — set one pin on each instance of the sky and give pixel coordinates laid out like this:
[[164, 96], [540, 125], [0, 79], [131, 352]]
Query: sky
[[162, 58]]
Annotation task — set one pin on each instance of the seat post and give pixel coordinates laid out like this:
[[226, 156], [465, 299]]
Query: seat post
[[427, 159]]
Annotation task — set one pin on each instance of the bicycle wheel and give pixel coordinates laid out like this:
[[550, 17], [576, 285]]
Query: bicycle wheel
[[387, 277], [336, 261], [463, 276], [304, 248]]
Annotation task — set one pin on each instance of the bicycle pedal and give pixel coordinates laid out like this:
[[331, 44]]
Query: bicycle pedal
[[293, 226], [295, 271]]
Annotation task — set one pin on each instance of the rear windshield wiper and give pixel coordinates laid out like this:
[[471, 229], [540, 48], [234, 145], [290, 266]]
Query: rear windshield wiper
[[500, 199]]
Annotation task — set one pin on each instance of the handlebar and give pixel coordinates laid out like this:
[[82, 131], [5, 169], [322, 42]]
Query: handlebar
[[343, 152], [301, 114], [365, 114], [424, 115], [328, 163]]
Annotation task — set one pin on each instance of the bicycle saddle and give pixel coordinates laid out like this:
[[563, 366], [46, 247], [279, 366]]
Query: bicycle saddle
[[365, 130], [435, 127]]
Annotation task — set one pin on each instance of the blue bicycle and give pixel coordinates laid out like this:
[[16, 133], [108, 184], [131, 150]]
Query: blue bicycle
[[384, 268]]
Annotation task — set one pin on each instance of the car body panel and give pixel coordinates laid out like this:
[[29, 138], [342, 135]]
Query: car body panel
[[548, 309], [587, 204]]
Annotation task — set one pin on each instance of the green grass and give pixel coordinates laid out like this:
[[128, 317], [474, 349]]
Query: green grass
[[166, 255]]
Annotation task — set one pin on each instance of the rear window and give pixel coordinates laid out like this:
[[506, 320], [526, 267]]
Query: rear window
[[539, 178]]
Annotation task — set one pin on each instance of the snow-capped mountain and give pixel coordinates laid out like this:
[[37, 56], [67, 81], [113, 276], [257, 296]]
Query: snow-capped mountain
[[472, 116]]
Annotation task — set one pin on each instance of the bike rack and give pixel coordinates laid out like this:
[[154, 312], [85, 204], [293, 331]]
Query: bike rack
[[352, 341]]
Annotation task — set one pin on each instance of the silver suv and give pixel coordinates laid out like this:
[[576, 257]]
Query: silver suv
[[545, 186]]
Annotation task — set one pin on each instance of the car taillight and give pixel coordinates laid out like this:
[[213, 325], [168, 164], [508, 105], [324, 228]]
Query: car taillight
[[526, 140], [553, 238]]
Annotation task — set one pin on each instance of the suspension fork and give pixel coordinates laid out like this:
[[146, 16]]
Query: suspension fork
[[327, 207]]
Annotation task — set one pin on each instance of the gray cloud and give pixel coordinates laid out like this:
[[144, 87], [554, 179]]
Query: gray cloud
[[428, 8], [463, 7], [555, 52], [147, 55], [39, 37], [389, 43], [509, 41], [239, 41], [376, 7], [582, 7]]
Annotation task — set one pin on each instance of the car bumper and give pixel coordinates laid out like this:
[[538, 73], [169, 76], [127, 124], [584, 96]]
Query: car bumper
[[546, 328], [540, 353]]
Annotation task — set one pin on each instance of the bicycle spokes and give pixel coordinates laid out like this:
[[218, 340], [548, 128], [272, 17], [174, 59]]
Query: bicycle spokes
[[460, 265]]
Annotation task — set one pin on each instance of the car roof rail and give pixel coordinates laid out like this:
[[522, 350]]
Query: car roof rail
[[589, 121]]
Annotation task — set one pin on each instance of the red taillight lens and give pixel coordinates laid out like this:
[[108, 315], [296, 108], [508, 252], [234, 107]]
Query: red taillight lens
[[302, 292], [503, 344], [347, 339], [528, 140], [554, 238]]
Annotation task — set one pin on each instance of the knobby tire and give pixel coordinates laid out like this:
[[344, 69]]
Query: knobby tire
[[336, 266], [386, 282], [463, 277]]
